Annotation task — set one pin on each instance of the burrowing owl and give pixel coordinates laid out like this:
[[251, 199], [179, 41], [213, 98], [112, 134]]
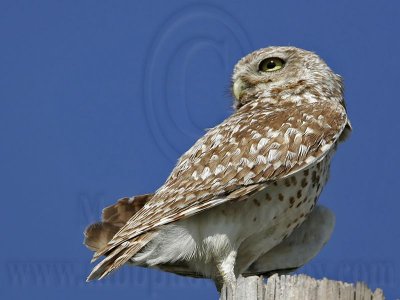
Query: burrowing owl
[[232, 202]]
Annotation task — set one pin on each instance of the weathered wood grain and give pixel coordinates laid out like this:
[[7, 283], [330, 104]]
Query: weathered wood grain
[[294, 287]]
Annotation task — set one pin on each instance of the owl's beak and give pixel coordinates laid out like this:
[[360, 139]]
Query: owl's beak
[[238, 87]]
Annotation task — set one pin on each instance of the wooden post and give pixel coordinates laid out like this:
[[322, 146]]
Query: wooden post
[[294, 287]]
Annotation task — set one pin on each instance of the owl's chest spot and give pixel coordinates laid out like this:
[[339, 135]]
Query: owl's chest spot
[[285, 204], [275, 210]]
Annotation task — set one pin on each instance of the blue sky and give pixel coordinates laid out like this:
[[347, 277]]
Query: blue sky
[[98, 99]]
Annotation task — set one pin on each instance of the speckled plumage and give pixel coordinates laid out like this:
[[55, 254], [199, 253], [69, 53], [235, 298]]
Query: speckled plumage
[[246, 184]]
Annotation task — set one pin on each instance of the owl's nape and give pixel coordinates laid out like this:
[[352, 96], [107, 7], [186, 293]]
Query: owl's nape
[[246, 187]]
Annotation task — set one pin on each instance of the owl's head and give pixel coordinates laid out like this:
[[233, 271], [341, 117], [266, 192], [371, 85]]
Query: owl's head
[[284, 74]]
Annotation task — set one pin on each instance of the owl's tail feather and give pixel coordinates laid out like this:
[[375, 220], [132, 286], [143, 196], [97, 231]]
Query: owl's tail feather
[[113, 218], [99, 234]]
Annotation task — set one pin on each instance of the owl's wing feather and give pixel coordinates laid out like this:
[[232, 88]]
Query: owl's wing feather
[[256, 145]]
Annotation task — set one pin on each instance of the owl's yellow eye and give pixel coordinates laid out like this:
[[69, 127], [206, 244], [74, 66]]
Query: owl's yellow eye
[[271, 64]]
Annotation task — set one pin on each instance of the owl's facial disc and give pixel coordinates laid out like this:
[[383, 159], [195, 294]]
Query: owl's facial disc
[[262, 70], [267, 65]]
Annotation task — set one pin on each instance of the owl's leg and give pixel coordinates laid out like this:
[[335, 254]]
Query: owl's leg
[[219, 283], [300, 247], [226, 270]]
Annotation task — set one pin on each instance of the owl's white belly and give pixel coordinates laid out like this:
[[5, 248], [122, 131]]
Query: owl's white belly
[[252, 227]]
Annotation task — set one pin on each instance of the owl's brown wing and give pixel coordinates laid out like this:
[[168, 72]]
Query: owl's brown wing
[[256, 145]]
